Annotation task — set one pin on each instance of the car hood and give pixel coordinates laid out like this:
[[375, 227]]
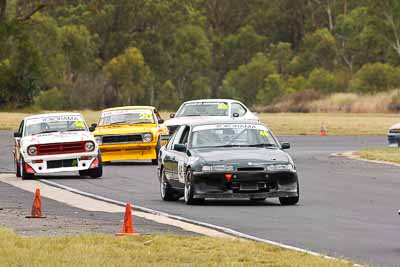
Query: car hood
[[57, 137], [395, 126], [241, 155], [184, 120], [125, 129]]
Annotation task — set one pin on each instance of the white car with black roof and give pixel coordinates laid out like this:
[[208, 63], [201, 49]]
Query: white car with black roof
[[53, 143]]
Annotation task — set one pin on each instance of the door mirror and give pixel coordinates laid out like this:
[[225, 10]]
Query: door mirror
[[17, 134], [285, 145], [172, 115], [92, 128], [236, 115], [160, 121], [180, 147]]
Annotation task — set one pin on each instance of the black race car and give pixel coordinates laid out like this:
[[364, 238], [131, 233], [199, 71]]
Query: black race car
[[226, 159]]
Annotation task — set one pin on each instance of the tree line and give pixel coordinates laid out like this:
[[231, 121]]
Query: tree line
[[72, 54]]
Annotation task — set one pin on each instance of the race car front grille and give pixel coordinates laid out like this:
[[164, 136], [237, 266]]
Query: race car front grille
[[116, 139], [54, 164], [60, 148], [250, 169]]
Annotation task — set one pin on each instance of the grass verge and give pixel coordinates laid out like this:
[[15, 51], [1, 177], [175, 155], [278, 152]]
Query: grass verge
[[280, 123], [146, 250], [390, 154], [336, 123]]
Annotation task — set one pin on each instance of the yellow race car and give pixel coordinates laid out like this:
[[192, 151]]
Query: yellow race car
[[129, 133]]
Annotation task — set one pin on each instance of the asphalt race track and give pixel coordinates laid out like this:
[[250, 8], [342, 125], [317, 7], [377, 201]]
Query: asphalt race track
[[347, 208]]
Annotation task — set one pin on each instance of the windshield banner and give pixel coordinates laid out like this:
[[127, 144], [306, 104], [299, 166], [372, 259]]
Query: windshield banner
[[54, 119], [124, 111], [230, 126]]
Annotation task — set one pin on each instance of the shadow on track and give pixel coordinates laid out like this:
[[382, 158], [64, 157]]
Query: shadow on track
[[62, 177], [128, 163], [234, 202]]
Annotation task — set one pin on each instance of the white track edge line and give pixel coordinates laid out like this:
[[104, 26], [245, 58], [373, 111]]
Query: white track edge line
[[199, 223]]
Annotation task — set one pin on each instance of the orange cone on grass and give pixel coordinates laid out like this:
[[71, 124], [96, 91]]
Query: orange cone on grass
[[127, 225], [36, 206]]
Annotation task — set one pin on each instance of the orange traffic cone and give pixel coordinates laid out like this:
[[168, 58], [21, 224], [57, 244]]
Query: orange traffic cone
[[127, 226], [36, 206], [323, 131]]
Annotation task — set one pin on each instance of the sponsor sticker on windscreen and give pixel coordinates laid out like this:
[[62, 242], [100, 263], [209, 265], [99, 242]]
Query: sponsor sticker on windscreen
[[230, 126], [48, 119], [143, 114], [222, 106]]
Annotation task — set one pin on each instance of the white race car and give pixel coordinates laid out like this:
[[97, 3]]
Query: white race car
[[56, 142], [206, 109]]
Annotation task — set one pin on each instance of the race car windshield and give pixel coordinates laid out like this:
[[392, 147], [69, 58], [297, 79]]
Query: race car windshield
[[203, 109], [116, 117], [227, 136], [63, 123]]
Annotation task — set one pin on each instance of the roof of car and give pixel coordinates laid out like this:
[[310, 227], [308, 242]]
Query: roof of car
[[212, 100], [53, 114], [224, 121], [130, 107]]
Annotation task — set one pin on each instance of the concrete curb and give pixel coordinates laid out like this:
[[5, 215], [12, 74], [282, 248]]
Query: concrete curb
[[354, 156]]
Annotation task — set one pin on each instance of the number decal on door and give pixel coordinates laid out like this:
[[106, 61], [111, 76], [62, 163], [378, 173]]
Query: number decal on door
[[181, 171]]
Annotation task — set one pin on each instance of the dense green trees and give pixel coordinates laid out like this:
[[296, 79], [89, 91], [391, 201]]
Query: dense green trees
[[61, 54]]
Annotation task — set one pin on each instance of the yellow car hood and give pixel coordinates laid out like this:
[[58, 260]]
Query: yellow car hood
[[126, 129]]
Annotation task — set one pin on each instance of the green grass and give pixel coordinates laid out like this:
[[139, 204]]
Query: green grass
[[280, 123], [390, 154], [146, 250]]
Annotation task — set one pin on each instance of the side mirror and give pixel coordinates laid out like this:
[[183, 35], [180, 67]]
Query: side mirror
[[285, 145], [236, 115], [160, 121], [92, 128], [17, 134], [172, 115], [180, 147]]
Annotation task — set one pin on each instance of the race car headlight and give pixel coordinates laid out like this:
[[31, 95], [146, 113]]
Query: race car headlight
[[280, 167], [32, 150], [217, 168], [147, 137], [99, 140], [89, 146]]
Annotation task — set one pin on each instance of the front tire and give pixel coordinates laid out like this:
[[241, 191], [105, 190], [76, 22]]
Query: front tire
[[166, 191], [94, 173], [158, 147], [24, 174], [189, 191], [288, 201], [17, 169]]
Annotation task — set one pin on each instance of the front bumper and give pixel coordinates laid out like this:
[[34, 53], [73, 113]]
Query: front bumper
[[245, 185], [142, 151], [393, 139], [46, 164]]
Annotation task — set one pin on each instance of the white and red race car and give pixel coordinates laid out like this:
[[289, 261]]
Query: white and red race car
[[56, 142]]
